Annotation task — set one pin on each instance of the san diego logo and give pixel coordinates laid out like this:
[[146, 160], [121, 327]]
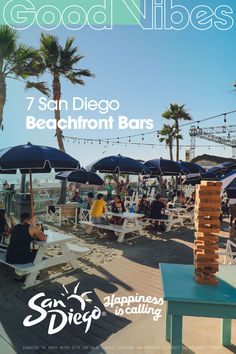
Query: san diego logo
[[60, 312]]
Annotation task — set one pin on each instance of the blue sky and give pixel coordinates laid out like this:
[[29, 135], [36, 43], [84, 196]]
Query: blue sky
[[144, 71]]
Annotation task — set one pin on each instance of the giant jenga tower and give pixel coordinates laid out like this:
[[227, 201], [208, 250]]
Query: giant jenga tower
[[207, 224]]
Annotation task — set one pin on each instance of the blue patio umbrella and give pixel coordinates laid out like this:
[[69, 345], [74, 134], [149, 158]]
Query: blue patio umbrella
[[119, 164], [229, 184], [80, 176], [164, 167], [192, 167], [231, 189], [223, 168], [35, 159], [195, 178]]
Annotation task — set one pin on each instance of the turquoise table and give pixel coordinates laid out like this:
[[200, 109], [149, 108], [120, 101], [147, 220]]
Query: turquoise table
[[187, 298]]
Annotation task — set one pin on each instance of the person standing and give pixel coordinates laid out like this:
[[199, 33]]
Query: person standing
[[5, 185], [109, 191], [232, 214]]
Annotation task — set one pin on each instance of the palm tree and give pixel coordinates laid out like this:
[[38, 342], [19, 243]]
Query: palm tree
[[109, 177], [176, 113], [17, 61], [169, 134], [60, 62]]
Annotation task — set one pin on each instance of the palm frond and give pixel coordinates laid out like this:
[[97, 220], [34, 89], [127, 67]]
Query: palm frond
[[8, 42], [74, 80], [26, 62], [40, 86]]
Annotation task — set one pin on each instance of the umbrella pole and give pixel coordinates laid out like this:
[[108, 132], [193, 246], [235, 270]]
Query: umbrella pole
[[117, 189], [180, 180], [160, 185], [31, 195]]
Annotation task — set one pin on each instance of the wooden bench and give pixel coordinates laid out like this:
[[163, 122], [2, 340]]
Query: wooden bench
[[170, 222], [30, 268], [188, 216], [119, 230]]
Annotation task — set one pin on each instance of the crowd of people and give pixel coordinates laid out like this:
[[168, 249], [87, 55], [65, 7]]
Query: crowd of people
[[153, 208]]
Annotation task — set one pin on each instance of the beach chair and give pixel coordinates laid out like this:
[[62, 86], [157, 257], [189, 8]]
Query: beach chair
[[230, 253], [84, 215], [68, 213], [53, 213], [172, 204], [3, 244]]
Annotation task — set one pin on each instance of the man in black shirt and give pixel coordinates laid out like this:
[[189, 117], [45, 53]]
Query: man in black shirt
[[156, 208], [22, 235]]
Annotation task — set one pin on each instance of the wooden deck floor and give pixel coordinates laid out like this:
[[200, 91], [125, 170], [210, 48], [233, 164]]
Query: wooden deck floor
[[135, 272]]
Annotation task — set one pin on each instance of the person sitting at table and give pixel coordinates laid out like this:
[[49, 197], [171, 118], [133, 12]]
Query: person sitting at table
[[98, 208], [191, 202], [22, 235], [129, 191], [156, 210], [117, 207], [75, 198], [144, 205], [89, 200]]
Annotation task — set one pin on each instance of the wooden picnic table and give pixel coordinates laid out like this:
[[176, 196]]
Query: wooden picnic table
[[185, 297], [131, 224], [182, 213], [70, 253]]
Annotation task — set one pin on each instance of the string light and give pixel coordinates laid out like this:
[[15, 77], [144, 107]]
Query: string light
[[92, 141]]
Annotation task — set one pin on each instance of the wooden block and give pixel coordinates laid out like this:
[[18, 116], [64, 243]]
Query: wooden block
[[205, 263], [207, 222], [206, 199], [206, 217], [208, 188], [209, 269], [208, 235], [207, 205], [205, 257], [206, 248], [209, 213], [208, 229], [212, 272], [205, 192], [211, 183], [213, 228], [208, 241], [204, 279]]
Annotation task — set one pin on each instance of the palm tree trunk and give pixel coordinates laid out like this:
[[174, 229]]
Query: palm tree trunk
[[171, 151], [3, 89], [56, 86], [177, 139]]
